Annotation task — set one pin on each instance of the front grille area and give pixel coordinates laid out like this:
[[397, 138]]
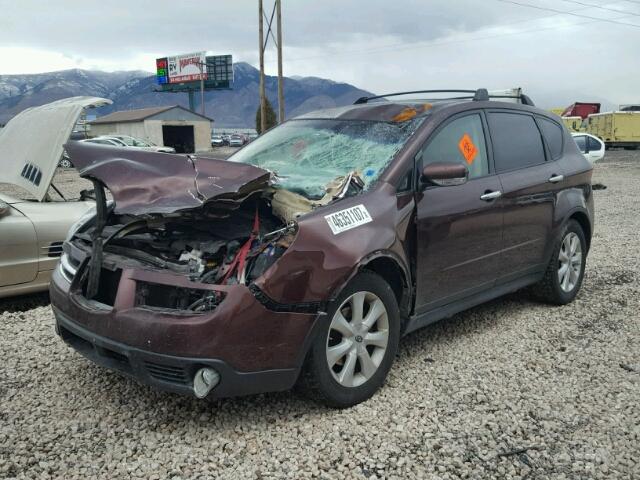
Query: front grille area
[[109, 282], [167, 373], [176, 298]]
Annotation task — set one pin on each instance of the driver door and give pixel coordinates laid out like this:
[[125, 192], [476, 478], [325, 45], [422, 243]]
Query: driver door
[[459, 228]]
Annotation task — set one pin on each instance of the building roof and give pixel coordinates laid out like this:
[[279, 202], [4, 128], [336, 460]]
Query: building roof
[[139, 115]]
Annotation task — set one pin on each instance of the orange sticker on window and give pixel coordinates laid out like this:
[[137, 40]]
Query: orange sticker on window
[[467, 148]]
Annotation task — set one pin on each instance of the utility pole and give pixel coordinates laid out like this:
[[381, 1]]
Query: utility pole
[[280, 79], [263, 103], [202, 65]]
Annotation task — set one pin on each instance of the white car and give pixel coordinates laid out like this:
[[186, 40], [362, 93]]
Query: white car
[[591, 146], [33, 226], [236, 141], [112, 142], [124, 141], [143, 144]]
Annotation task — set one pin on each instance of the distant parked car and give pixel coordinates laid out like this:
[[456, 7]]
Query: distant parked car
[[143, 144], [218, 141], [237, 141], [33, 229], [111, 142], [65, 162], [591, 146]]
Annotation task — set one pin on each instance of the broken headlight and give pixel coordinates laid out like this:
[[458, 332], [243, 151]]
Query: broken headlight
[[81, 222]]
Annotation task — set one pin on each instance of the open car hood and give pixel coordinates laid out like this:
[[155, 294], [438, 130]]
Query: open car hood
[[144, 182], [31, 143]]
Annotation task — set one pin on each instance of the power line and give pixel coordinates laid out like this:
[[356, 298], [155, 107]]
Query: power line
[[404, 46], [591, 5], [564, 12]]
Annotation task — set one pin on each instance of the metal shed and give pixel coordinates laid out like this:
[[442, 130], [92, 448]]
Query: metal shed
[[171, 126]]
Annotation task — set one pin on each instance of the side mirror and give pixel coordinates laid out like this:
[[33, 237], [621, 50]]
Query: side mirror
[[4, 208], [445, 174]]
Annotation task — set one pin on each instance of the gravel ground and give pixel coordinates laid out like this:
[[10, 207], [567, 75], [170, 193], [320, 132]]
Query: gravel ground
[[511, 389]]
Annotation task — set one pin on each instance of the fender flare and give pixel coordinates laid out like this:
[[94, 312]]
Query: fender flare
[[407, 288]]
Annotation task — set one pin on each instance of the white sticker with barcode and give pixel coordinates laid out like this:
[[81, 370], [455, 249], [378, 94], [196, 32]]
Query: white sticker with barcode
[[347, 219]]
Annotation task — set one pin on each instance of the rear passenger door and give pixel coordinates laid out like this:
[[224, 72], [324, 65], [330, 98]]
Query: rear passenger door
[[530, 178]]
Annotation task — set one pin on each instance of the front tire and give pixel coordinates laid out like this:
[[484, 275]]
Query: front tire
[[564, 275], [352, 354]]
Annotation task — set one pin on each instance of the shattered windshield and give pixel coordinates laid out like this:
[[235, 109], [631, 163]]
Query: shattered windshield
[[306, 155]]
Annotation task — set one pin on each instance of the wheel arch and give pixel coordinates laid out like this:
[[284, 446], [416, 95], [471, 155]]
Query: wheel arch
[[583, 220], [393, 270]]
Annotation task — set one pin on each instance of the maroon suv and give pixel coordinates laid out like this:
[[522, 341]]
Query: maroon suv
[[311, 251]]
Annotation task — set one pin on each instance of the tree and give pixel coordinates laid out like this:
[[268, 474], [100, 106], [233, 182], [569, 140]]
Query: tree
[[272, 121]]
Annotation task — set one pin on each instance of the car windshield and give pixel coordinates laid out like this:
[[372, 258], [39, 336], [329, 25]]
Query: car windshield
[[305, 155]]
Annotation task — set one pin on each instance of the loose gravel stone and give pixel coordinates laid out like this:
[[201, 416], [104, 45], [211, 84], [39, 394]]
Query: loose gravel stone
[[511, 389]]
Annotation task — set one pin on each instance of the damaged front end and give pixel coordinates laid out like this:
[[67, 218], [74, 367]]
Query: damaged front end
[[205, 249], [213, 232]]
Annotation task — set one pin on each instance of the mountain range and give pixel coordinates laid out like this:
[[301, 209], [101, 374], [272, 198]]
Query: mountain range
[[135, 89]]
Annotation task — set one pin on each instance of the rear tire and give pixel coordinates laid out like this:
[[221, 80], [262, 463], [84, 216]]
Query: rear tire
[[350, 357], [565, 272]]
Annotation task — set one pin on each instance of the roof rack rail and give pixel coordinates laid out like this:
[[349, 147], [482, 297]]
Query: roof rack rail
[[479, 95]]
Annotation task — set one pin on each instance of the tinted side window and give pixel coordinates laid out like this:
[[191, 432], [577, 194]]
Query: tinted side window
[[553, 134], [581, 141], [593, 144], [461, 141], [516, 141]]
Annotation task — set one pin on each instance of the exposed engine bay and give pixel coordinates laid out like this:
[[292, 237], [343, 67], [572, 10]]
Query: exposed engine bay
[[208, 245]]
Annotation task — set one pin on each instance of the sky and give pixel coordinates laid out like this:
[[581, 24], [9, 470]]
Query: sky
[[557, 50]]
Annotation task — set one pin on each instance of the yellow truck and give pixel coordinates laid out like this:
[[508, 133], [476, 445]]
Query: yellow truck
[[574, 124], [616, 129]]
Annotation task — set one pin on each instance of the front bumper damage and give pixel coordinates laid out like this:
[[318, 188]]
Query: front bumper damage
[[252, 348]]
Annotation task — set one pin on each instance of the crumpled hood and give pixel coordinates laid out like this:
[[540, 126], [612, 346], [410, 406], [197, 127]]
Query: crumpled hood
[[31, 143], [144, 182]]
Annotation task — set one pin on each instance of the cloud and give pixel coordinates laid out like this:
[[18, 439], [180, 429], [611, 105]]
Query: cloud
[[375, 44]]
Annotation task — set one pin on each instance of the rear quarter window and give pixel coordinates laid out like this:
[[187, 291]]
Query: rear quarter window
[[593, 144], [516, 141], [553, 135]]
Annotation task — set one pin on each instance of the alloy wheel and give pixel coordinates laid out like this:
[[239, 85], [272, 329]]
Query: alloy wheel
[[357, 339], [569, 262]]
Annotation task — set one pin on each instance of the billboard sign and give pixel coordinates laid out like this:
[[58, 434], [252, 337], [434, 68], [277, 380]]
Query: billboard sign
[[181, 68], [182, 72]]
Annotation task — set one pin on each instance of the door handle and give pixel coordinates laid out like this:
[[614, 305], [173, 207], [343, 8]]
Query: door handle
[[487, 197], [556, 178]]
